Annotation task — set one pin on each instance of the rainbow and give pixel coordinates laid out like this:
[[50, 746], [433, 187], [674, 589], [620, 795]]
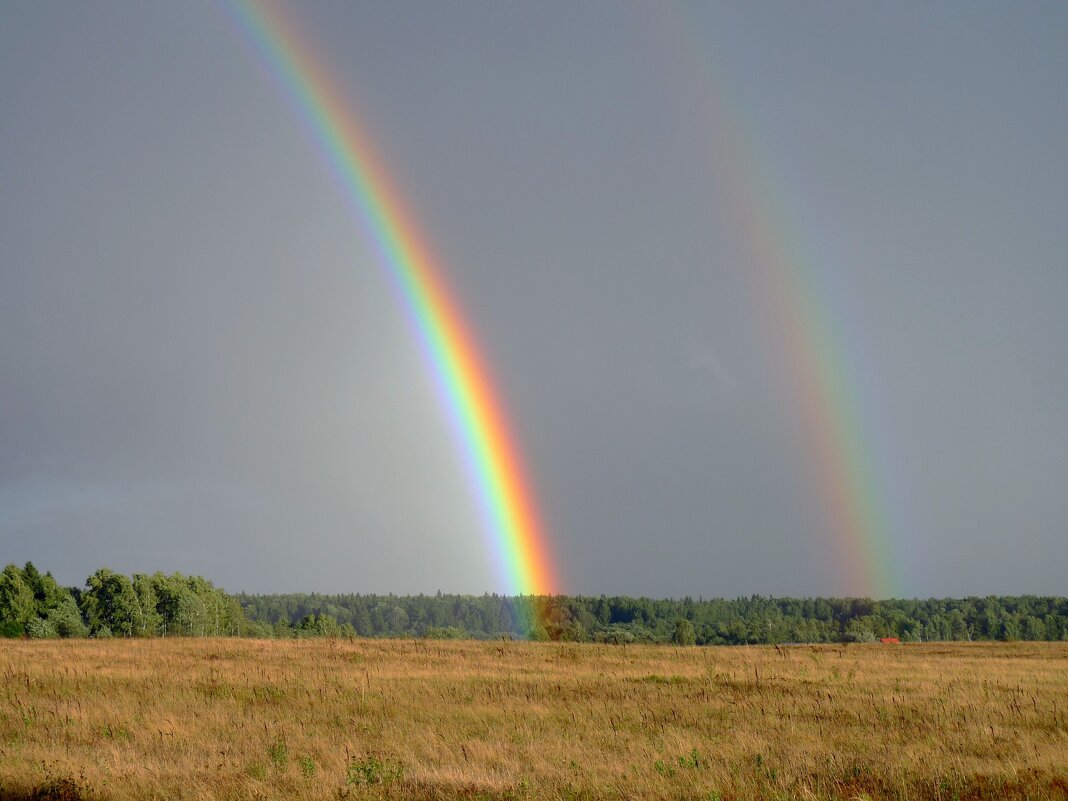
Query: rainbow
[[492, 459], [823, 368]]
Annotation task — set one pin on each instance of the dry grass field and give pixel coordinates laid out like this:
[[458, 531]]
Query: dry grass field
[[236, 719]]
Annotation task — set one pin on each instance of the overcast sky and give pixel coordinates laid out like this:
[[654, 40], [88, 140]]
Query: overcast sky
[[203, 368]]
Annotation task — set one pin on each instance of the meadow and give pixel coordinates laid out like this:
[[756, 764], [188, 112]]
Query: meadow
[[418, 719]]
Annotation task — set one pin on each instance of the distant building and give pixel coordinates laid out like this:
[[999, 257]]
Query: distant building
[[890, 641]]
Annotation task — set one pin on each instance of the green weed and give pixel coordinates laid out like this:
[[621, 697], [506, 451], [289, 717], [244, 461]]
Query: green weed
[[279, 754], [371, 771]]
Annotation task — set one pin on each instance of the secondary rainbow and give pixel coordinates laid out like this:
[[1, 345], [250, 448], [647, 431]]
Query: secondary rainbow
[[492, 459], [831, 381]]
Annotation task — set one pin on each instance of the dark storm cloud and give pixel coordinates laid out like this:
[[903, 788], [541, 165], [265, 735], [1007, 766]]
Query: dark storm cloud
[[204, 370]]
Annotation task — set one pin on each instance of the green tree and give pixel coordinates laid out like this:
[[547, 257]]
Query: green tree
[[1033, 628], [39, 629], [212, 618], [181, 610], [1010, 629], [684, 633], [282, 630], [859, 630], [17, 607], [397, 620], [319, 626], [110, 602], [66, 619], [538, 633], [46, 593], [361, 621], [149, 619]]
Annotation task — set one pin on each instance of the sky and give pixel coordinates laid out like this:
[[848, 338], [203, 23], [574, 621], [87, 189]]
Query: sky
[[734, 268]]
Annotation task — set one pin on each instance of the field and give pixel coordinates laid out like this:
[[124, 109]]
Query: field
[[241, 719]]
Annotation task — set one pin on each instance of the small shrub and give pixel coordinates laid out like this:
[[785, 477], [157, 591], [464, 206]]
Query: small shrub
[[307, 767], [370, 771], [692, 761], [66, 619], [664, 769], [39, 629], [257, 770], [279, 754], [11, 629], [63, 788]]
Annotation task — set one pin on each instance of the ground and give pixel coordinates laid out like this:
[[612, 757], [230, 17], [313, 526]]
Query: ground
[[403, 719]]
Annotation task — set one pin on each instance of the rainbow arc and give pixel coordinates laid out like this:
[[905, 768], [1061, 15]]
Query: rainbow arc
[[516, 534]]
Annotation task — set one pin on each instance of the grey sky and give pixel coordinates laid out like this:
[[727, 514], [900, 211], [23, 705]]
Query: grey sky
[[202, 367]]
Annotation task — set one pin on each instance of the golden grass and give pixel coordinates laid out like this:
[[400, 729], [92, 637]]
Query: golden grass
[[239, 719]]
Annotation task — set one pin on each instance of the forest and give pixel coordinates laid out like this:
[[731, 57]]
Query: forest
[[111, 604]]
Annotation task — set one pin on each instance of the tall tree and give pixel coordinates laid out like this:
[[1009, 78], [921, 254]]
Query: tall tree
[[684, 633], [148, 616], [17, 607], [111, 605]]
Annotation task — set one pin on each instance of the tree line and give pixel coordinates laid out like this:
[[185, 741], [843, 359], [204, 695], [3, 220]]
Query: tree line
[[111, 604], [623, 619]]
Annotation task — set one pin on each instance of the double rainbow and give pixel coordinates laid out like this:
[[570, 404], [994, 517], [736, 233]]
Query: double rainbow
[[493, 461], [825, 376]]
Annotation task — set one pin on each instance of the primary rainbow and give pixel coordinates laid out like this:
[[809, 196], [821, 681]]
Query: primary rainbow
[[492, 459]]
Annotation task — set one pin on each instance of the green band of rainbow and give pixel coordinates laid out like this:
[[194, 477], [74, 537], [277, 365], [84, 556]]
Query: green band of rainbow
[[516, 535]]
